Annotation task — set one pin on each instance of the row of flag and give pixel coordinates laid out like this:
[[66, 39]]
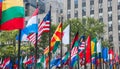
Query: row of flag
[[11, 21]]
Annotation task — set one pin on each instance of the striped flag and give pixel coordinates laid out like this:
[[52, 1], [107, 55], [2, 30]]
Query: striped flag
[[5, 62], [56, 37], [44, 26]]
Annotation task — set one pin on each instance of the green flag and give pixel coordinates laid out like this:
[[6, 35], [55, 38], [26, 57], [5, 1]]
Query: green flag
[[56, 46]]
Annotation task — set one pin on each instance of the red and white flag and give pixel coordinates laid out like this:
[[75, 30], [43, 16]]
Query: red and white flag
[[5, 62]]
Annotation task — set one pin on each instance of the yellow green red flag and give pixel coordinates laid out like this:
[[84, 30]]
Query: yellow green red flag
[[56, 37]]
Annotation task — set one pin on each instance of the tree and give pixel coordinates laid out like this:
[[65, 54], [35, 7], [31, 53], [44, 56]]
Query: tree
[[87, 26]]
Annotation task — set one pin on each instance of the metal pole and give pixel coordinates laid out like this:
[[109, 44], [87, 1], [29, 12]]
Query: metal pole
[[61, 42], [19, 44], [50, 39], [36, 48]]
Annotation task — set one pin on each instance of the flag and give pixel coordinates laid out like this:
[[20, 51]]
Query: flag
[[88, 52], [44, 26], [74, 39], [12, 15], [64, 59], [31, 27], [56, 37], [30, 60], [25, 59], [0, 9], [57, 43], [105, 54], [66, 32], [99, 46], [5, 62], [54, 61], [73, 60]]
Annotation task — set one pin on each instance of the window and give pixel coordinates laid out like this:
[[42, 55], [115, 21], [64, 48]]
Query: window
[[83, 4], [68, 16], [101, 19], [92, 2], [100, 1], [101, 10], [109, 0], [118, 7], [119, 36], [76, 14], [83, 11], [76, 3], [68, 4], [118, 17], [110, 38], [110, 8], [92, 12], [109, 19], [118, 27]]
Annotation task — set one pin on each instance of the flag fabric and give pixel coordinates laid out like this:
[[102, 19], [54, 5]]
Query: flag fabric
[[105, 54], [12, 15], [0, 9], [56, 37], [43, 26], [5, 62], [31, 27], [74, 39], [30, 60], [66, 32], [54, 61], [99, 46], [93, 50], [25, 59], [73, 60], [111, 54], [88, 52], [57, 43], [64, 59]]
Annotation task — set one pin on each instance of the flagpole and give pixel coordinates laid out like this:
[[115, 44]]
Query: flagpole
[[78, 57], [70, 45], [50, 39], [61, 41], [90, 54], [19, 45], [85, 67], [36, 38]]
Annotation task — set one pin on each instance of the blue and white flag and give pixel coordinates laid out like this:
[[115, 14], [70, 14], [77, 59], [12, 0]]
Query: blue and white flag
[[31, 27]]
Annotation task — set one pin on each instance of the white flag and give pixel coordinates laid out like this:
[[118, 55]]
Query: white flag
[[99, 46], [65, 39]]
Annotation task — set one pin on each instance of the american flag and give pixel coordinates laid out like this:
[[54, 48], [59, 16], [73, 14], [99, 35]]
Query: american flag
[[44, 26]]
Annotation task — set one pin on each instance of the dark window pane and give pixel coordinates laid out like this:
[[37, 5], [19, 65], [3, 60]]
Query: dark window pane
[[118, 7], [110, 38], [68, 4], [100, 1], [100, 19], [118, 17], [83, 12], [76, 14], [68, 16], [118, 27], [83, 4], [109, 18], [100, 10], [92, 12], [91, 2], [76, 3], [109, 8]]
